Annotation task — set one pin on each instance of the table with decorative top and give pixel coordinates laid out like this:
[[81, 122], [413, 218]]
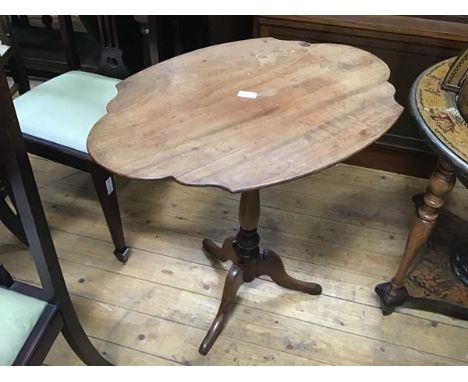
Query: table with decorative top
[[243, 116], [433, 271]]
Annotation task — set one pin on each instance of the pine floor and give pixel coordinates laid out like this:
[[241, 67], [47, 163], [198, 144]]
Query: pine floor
[[344, 228]]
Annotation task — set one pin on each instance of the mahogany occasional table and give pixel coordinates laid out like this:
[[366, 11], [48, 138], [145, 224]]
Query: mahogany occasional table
[[243, 116]]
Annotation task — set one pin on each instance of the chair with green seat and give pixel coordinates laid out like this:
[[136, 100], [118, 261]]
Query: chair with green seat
[[56, 117], [32, 317], [22, 320], [20, 314]]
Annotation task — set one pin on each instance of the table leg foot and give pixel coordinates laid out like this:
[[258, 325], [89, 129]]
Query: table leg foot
[[389, 299], [234, 280], [459, 262], [122, 254], [270, 264], [224, 253]]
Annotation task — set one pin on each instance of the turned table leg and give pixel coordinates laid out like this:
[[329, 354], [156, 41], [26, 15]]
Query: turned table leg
[[249, 263], [441, 183]]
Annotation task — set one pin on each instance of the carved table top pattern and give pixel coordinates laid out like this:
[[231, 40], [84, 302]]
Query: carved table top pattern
[[315, 106]]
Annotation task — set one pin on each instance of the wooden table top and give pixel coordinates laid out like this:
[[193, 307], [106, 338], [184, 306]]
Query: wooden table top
[[184, 118]]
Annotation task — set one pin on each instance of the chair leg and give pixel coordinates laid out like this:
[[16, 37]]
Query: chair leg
[[104, 184], [77, 338], [11, 220]]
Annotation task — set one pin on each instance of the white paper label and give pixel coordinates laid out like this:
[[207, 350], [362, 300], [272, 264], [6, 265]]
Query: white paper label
[[109, 186], [3, 49], [247, 94]]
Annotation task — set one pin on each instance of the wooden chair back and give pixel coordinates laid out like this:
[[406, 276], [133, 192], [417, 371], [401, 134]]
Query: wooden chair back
[[111, 63], [10, 57], [14, 163]]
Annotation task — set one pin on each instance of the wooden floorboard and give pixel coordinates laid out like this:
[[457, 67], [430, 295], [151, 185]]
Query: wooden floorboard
[[344, 227]]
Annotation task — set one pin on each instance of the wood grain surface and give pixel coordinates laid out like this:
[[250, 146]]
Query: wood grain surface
[[316, 105]]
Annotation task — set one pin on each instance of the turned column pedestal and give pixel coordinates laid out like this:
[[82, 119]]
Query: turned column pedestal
[[249, 262], [395, 293]]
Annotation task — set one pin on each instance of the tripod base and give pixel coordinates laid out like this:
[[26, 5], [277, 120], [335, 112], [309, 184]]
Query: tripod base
[[246, 269]]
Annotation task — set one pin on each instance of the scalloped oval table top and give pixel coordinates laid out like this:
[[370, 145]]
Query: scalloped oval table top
[[245, 115]]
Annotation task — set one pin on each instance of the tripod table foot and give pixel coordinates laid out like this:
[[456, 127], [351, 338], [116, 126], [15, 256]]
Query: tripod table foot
[[234, 280]]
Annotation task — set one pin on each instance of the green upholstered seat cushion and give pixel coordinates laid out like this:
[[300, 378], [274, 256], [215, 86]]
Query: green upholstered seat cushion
[[64, 109], [18, 315]]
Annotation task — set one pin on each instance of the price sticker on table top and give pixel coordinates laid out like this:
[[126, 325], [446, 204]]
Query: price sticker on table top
[[247, 94]]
